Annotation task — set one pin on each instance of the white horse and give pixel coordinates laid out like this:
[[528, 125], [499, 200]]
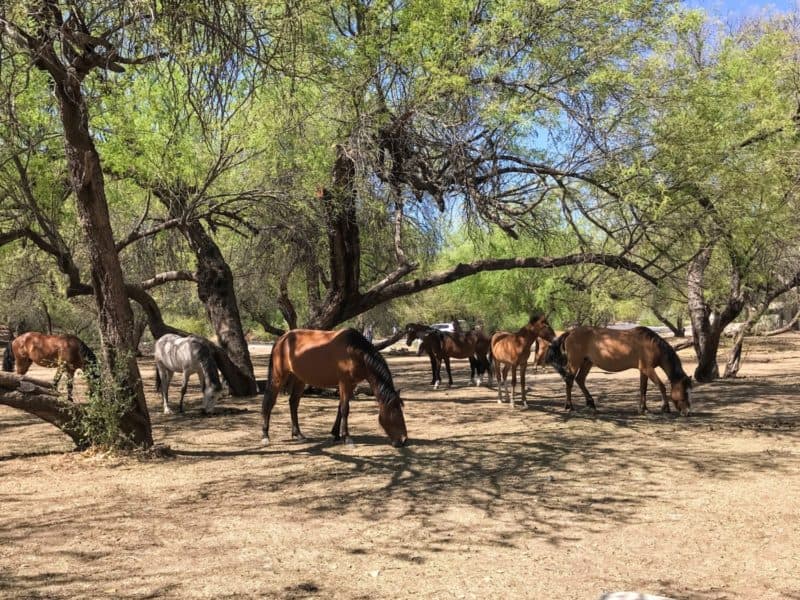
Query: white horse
[[190, 354]]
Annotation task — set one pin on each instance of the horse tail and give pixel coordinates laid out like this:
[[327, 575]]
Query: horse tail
[[557, 355], [8, 358], [378, 373], [87, 355], [206, 357], [91, 368]]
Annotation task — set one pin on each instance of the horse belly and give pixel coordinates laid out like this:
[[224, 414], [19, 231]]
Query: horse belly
[[613, 359]]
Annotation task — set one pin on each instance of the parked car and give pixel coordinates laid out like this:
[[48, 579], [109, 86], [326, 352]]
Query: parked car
[[448, 327]]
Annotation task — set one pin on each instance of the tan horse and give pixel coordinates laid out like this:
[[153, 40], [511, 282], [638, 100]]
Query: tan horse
[[512, 350], [340, 359], [575, 352], [66, 353]]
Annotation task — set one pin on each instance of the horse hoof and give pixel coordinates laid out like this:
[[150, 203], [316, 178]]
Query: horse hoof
[[299, 437], [436, 385], [524, 404], [348, 441], [265, 441]]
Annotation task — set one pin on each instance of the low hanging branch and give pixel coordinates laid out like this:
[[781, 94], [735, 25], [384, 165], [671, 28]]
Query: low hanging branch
[[40, 398]]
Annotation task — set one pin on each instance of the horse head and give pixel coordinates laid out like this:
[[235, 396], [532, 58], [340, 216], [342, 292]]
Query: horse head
[[541, 328], [415, 331], [681, 394], [390, 417]]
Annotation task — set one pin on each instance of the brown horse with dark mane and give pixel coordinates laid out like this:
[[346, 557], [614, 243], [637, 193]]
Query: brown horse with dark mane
[[575, 352], [67, 353], [340, 359], [512, 350]]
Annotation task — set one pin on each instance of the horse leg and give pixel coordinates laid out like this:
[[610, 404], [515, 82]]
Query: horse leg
[[434, 371], [345, 393], [651, 373], [70, 383], [294, 401], [449, 373], [512, 399], [580, 377], [642, 392], [500, 381], [184, 385], [472, 369], [524, 392], [267, 404], [337, 424], [569, 379], [166, 376], [22, 365]]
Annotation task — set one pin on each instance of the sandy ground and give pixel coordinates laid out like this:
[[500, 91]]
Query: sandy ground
[[486, 501]]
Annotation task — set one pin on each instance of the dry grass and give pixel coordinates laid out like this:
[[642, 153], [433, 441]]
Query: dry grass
[[485, 501]]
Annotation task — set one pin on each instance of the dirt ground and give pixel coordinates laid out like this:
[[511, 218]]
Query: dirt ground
[[485, 501]]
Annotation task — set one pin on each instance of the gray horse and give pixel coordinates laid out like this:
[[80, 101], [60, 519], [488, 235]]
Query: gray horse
[[191, 354]]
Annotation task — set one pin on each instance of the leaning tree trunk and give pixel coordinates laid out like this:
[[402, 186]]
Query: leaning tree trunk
[[734, 361], [113, 309], [215, 290], [41, 399]]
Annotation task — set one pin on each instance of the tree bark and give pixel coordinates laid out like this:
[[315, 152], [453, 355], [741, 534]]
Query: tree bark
[[113, 309], [707, 333], [39, 398]]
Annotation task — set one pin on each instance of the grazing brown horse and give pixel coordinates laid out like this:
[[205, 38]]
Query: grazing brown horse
[[340, 359], [67, 353], [575, 352], [512, 350], [430, 342]]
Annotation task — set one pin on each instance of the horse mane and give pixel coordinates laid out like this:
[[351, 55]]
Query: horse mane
[[8, 358], [206, 359], [556, 355], [379, 375], [88, 355], [674, 368]]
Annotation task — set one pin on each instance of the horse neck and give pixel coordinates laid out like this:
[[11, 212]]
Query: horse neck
[[671, 367], [528, 335]]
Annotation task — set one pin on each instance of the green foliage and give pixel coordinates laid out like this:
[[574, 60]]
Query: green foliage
[[100, 422]]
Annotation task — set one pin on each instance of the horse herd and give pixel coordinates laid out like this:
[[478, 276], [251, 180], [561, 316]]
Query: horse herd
[[343, 358]]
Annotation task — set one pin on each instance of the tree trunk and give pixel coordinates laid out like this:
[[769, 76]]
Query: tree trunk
[[216, 292], [41, 399], [215, 289], [705, 336], [113, 309]]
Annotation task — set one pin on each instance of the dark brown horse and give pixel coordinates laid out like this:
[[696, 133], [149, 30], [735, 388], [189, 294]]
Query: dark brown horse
[[66, 353], [340, 359], [575, 352], [512, 350], [430, 343], [472, 345]]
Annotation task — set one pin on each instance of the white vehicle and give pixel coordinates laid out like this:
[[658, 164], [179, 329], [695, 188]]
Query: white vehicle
[[448, 327]]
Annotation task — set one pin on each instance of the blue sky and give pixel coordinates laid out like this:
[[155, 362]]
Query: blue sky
[[737, 9]]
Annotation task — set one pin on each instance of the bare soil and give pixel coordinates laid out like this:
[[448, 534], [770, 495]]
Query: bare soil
[[486, 501]]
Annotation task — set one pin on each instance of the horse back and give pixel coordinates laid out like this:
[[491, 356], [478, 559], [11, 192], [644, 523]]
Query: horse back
[[609, 349], [315, 357], [48, 350]]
